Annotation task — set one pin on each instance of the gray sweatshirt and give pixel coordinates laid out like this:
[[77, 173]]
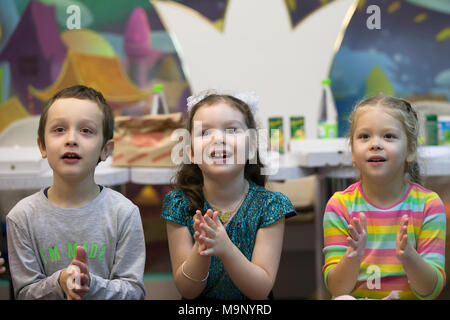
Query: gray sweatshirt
[[42, 240]]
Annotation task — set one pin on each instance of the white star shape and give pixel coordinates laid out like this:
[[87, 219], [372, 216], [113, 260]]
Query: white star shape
[[259, 50]]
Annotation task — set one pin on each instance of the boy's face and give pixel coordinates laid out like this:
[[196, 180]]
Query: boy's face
[[74, 138]]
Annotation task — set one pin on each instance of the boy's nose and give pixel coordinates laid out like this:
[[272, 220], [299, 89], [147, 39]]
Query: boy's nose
[[71, 139]]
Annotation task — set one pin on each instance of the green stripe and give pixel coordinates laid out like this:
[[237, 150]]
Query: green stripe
[[434, 226], [4, 283], [158, 277]]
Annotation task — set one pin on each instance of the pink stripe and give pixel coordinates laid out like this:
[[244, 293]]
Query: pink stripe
[[352, 188], [336, 240], [430, 242], [434, 206], [389, 214], [418, 187], [380, 252], [401, 200], [378, 260]]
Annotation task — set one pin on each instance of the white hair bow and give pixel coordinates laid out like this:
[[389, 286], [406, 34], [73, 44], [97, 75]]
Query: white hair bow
[[250, 98]]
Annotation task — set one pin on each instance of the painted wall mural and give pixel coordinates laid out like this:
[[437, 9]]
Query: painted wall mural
[[406, 56]]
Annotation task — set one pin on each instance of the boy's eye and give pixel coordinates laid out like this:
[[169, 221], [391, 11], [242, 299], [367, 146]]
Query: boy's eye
[[205, 132], [86, 130], [59, 129]]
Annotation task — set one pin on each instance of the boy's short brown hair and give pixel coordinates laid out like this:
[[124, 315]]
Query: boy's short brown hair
[[83, 93]]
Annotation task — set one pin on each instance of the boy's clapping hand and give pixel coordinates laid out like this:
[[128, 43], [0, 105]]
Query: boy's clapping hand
[[2, 262], [75, 279]]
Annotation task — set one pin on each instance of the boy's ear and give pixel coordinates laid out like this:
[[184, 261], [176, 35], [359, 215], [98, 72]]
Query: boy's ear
[[42, 148], [107, 150]]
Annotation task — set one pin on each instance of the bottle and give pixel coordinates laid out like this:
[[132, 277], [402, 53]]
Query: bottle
[[328, 119], [444, 130], [431, 130], [159, 99]]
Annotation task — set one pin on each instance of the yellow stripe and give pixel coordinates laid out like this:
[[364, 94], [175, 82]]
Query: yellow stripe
[[384, 268], [374, 294], [334, 232], [432, 234]]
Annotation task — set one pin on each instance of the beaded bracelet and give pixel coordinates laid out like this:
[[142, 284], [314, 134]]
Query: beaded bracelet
[[184, 273]]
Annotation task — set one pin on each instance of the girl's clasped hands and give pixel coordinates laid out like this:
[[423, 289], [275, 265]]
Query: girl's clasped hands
[[210, 233]]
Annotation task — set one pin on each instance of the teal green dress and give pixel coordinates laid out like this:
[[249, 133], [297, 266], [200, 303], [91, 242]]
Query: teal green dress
[[259, 209]]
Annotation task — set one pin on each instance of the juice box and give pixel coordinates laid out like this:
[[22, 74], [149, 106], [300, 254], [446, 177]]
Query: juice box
[[297, 128], [276, 134]]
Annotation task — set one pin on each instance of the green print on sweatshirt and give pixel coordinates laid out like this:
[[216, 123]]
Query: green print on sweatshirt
[[53, 254]]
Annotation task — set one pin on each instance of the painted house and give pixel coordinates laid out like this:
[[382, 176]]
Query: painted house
[[35, 52]]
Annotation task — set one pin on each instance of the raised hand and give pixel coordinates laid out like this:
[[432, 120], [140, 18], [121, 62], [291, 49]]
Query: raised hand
[[215, 236], [404, 249], [358, 233]]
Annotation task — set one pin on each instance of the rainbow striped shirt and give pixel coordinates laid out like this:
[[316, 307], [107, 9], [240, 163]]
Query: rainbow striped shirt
[[426, 232]]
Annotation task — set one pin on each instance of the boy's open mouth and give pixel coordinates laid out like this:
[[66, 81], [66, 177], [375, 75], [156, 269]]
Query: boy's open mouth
[[71, 155]]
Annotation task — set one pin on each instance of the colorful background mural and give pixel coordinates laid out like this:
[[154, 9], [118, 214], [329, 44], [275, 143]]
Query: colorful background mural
[[122, 50]]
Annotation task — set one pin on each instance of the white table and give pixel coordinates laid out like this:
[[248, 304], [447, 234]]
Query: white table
[[105, 174]]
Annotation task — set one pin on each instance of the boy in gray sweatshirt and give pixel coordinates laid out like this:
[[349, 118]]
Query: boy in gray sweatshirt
[[76, 239]]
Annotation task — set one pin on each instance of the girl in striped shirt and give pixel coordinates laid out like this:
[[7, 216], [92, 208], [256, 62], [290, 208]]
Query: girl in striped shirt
[[384, 233]]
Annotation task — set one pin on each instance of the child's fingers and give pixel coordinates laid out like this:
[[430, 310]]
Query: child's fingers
[[81, 291], [404, 220], [403, 242], [352, 243], [84, 280], [207, 252], [216, 218], [83, 266], [357, 225], [208, 231], [71, 295], [208, 241], [363, 221], [353, 232], [211, 223]]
